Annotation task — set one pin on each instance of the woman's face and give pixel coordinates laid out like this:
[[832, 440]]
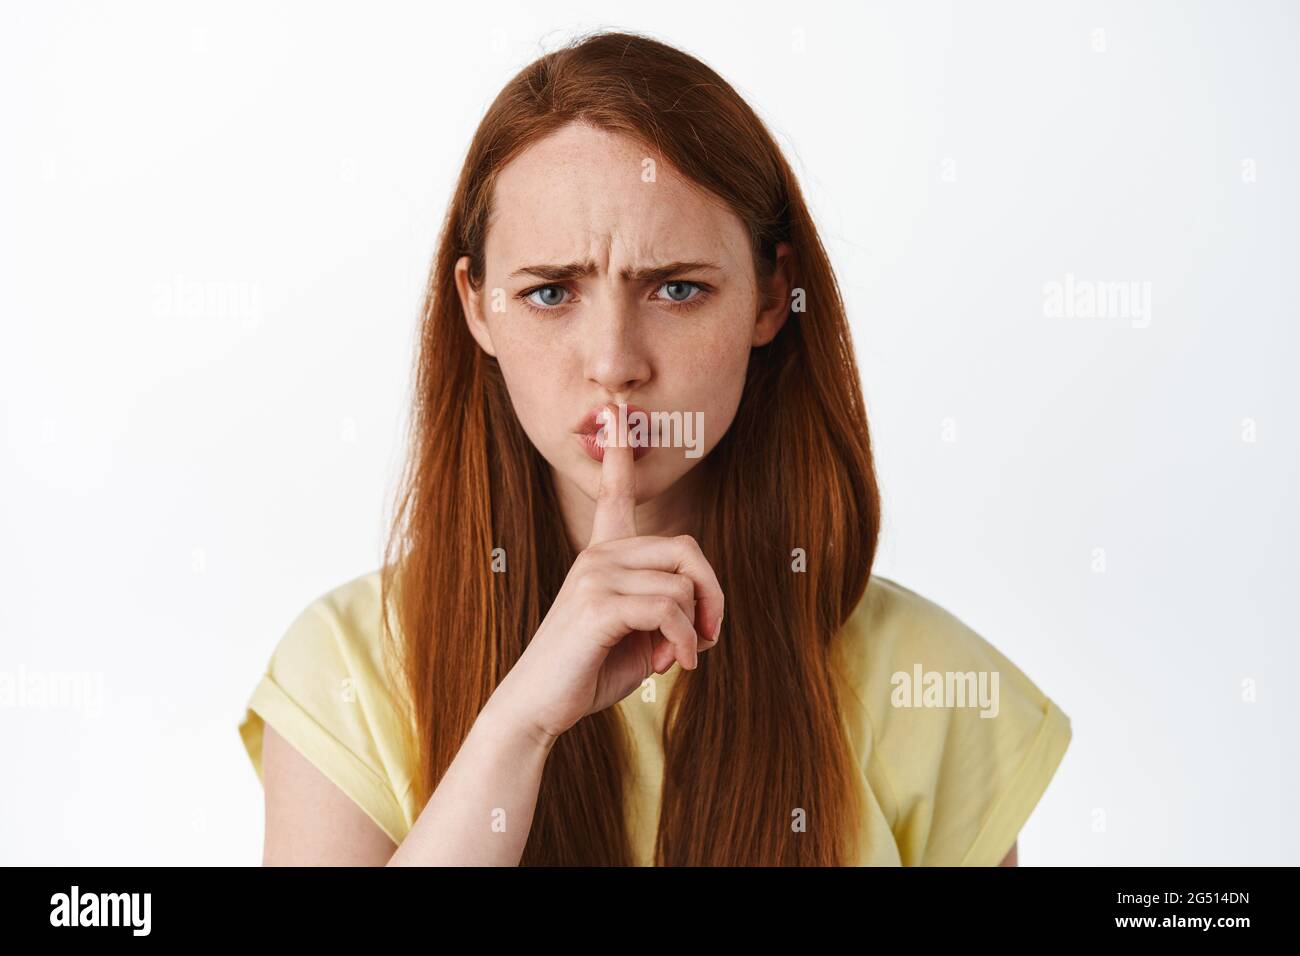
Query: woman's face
[[610, 278]]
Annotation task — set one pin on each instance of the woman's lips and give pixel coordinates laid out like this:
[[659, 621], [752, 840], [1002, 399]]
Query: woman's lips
[[591, 425], [591, 444]]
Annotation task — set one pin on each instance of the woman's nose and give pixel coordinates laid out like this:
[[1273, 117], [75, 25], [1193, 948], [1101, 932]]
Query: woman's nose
[[616, 356]]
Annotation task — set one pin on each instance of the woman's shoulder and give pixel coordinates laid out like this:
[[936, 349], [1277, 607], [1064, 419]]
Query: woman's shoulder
[[961, 741], [330, 689], [894, 628], [893, 624], [353, 603], [340, 627]]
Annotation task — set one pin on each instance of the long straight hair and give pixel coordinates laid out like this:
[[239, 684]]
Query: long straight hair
[[758, 768]]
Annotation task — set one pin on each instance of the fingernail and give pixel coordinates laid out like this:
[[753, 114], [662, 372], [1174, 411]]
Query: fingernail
[[718, 630]]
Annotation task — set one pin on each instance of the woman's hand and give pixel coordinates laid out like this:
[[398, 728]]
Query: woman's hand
[[629, 607]]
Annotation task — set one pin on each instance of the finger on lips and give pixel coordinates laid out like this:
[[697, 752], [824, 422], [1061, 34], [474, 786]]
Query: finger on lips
[[615, 519], [616, 499]]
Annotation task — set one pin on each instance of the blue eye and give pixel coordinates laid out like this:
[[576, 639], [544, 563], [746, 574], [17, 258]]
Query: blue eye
[[682, 286], [543, 290]]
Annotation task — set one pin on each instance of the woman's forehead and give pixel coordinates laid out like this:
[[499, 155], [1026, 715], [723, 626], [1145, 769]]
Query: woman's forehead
[[584, 194]]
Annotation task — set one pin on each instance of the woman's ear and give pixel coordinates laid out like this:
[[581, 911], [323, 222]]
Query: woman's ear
[[774, 296], [471, 305]]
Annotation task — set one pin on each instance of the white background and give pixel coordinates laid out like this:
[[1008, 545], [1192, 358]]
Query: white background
[[181, 474]]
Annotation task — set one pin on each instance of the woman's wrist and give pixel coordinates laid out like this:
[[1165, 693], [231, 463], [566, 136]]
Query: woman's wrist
[[506, 721]]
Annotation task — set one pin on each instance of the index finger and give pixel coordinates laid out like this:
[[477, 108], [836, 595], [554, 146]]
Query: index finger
[[616, 499]]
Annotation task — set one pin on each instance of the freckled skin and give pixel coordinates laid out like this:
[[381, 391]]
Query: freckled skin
[[579, 195]]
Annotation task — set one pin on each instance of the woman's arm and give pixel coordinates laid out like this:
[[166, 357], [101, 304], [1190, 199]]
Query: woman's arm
[[479, 815], [309, 820], [482, 810]]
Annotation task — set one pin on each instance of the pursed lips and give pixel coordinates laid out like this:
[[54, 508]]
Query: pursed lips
[[592, 423]]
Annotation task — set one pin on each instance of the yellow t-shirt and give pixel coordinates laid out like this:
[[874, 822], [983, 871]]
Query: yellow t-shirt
[[954, 743]]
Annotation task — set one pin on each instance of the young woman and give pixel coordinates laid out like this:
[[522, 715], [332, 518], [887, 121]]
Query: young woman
[[656, 639]]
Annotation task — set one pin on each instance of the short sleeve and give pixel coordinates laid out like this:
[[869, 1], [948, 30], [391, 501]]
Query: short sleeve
[[325, 692], [965, 742]]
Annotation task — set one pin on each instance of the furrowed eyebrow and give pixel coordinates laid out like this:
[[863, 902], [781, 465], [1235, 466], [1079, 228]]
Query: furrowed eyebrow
[[579, 270]]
